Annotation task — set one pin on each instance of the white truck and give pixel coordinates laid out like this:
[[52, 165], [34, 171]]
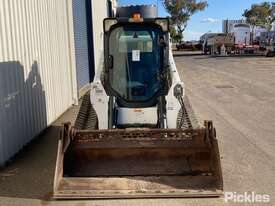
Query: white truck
[[242, 34]]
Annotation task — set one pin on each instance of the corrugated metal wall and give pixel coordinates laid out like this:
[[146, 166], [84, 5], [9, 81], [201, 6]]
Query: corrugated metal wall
[[81, 43], [37, 68]]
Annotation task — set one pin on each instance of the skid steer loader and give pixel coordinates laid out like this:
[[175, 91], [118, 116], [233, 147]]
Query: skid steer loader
[[135, 135]]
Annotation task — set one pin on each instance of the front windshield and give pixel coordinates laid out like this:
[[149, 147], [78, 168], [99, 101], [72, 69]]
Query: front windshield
[[136, 62]]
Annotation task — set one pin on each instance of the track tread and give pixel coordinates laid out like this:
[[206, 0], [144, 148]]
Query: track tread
[[87, 117], [186, 118]]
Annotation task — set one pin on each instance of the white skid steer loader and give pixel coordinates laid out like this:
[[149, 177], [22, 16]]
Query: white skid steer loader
[[135, 135]]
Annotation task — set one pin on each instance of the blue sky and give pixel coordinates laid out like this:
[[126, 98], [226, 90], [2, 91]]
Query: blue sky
[[208, 20]]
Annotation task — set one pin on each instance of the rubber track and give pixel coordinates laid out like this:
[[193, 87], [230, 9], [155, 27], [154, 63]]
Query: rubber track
[[87, 117], [186, 118]]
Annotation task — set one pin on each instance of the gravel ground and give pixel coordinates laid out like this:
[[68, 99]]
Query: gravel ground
[[237, 93]]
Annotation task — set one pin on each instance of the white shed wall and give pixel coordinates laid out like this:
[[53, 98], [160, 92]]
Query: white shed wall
[[37, 69]]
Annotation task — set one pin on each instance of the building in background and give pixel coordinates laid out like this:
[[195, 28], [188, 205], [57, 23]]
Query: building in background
[[49, 52]]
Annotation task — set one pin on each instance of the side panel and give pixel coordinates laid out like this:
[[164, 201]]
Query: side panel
[[99, 100], [173, 106]]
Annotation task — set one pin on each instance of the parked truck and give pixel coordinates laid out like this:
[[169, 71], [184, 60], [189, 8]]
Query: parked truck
[[242, 34], [246, 38]]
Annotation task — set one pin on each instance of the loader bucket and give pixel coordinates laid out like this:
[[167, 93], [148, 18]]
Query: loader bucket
[[138, 163]]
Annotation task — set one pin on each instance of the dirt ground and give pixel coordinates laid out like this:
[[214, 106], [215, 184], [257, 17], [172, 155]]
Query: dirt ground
[[237, 93]]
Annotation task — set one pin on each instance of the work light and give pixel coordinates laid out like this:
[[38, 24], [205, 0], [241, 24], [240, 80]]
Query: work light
[[108, 23]]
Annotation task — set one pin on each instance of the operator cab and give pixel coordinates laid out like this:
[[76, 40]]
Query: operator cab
[[136, 56], [136, 77]]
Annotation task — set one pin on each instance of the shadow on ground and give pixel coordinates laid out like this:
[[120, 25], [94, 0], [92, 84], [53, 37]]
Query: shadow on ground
[[30, 173], [23, 116], [186, 54], [229, 57]]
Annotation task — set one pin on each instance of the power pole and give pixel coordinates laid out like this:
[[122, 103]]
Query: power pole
[[157, 3]]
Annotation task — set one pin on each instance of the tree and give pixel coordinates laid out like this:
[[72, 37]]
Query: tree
[[260, 15], [176, 37], [181, 11]]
